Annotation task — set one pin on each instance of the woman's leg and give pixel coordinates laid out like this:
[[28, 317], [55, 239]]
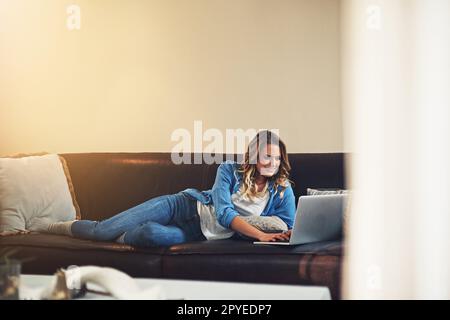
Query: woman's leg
[[184, 227], [175, 209], [155, 234], [159, 209]]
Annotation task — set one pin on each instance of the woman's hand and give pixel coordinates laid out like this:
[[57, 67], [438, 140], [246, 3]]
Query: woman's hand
[[269, 237]]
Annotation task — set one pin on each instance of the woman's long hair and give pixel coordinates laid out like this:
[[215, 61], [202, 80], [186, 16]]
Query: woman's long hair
[[248, 167]]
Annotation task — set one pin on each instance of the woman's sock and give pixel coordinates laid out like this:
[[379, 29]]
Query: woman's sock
[[64, 228], [45, 226]]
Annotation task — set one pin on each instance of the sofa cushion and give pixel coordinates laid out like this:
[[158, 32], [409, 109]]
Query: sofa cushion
[[66, 173], [33, 188], [49, 252], [231, 246], [35, 239]]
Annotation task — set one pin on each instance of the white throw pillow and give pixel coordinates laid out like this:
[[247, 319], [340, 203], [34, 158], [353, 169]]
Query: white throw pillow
[[33, 188]]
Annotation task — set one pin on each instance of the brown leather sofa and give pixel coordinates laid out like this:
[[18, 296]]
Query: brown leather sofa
[[108, 183]]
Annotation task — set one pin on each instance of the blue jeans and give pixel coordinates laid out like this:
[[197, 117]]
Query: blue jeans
[[162, 221]]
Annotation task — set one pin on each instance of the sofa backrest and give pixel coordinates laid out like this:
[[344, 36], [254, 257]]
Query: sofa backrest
[[108, 183]]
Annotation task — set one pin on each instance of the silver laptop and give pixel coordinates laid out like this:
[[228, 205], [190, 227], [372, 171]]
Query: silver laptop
[[318, 218]]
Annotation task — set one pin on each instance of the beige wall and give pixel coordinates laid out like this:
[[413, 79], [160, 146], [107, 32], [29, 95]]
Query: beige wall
[[138, 70]]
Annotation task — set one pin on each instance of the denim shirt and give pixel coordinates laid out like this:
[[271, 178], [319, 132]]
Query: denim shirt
[[227, 182]]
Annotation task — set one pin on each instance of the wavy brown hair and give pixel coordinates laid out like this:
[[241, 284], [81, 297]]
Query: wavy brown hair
[[251, 157]]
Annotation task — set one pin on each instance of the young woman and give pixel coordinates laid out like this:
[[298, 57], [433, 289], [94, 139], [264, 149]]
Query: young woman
[[257, 187]]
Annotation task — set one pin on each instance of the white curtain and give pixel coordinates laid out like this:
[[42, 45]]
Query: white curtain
[[396, 100]]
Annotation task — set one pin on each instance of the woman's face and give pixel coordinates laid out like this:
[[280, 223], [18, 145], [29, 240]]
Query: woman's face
[[269, 160]]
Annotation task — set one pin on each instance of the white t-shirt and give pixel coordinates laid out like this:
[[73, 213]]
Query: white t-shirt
[[212, 229]]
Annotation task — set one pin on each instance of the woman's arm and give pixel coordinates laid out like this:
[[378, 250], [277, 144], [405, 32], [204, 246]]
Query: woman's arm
[[286, 209], [221, 195]]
